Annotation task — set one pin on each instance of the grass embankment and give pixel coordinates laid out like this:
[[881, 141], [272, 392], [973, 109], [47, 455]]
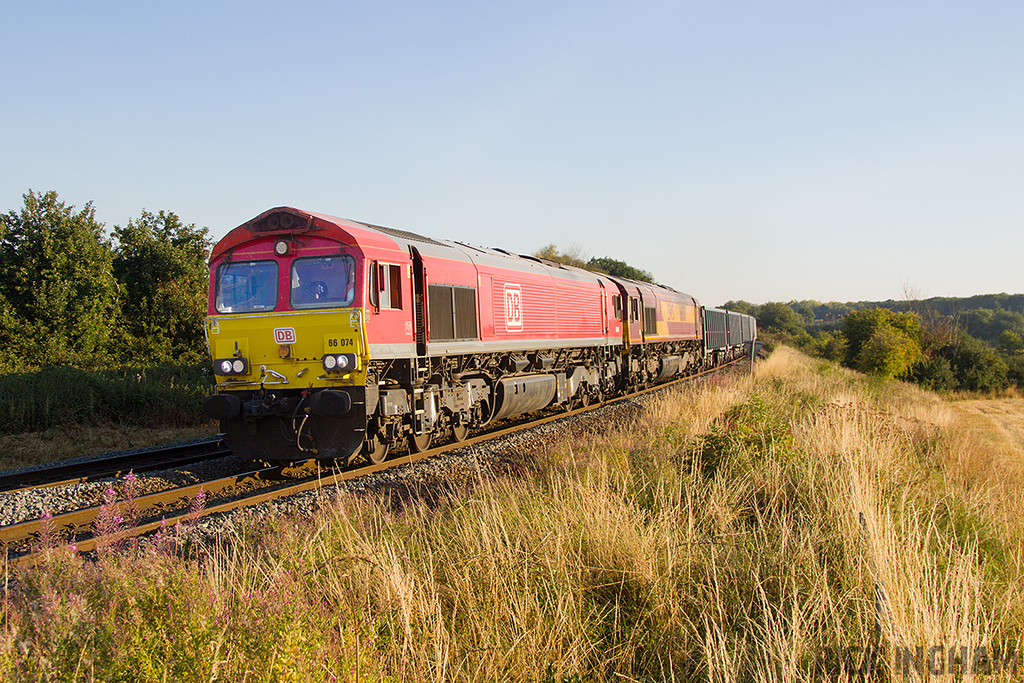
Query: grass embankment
[[62, 412], [741, 530]]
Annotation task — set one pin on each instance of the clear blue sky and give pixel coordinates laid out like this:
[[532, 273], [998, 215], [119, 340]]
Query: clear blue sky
[[755, 150]]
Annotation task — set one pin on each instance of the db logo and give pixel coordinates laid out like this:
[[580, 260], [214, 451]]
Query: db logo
[[284, 335], [513, 308]]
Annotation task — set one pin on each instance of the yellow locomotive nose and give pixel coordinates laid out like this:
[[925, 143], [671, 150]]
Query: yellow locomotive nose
[[322, 348]]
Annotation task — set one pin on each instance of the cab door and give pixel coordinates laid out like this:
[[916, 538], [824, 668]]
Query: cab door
[[633, 321], [419, 294]]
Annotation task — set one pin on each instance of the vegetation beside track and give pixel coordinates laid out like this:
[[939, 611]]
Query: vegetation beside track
[[161, 396], [756, 528]]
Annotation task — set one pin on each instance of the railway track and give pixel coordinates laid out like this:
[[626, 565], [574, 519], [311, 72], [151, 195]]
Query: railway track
[[116, 465], [167, 508]]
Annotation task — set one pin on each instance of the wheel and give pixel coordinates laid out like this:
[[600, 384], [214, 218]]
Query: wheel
[[419, 442], [375, 450], [460, 432], [584, 399]]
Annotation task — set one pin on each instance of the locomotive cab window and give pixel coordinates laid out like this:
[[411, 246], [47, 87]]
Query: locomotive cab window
[[634, 310], [246, 287], [617, 305], [386, 285], [323, 282]]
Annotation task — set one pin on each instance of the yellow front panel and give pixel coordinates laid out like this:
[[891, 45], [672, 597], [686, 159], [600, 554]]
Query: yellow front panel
[[229, 348], [311, 335]]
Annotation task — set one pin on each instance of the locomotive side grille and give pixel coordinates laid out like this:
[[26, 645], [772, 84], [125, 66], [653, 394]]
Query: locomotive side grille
[[452, 312], [465, 312], [650, 320], [442, 320]]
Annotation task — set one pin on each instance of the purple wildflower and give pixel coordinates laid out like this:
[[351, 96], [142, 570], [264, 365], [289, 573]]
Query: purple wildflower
[[47, 531], [162, 541], [198, 505], [108, 527], [131, 492]]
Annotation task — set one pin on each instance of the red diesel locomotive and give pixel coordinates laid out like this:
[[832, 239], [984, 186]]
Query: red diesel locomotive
[[333, 338]]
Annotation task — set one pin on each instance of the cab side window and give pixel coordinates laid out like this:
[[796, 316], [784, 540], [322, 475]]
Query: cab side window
[[386, 284]]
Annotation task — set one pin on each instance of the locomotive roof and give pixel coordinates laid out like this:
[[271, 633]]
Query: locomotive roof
[[286, 220]]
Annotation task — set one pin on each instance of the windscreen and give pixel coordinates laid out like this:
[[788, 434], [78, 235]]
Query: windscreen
[[246, 287], [323, 282]]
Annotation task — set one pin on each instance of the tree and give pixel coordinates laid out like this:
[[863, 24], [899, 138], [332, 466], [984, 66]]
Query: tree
[[573, 256], [829, 345], [1015, 371], [883, 342], [741, 306], [160, 264], [619, 269], [889, 352], [58, 294], [805, 309], [1010, 343], [778, 317], [976, 366], [935, 373]]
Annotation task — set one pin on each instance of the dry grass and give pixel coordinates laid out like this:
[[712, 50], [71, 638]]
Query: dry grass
[[34, 448], [758, 529]]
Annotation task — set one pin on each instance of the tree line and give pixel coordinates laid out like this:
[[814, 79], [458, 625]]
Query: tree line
[[74, 294], [972, 344], [609, 266]]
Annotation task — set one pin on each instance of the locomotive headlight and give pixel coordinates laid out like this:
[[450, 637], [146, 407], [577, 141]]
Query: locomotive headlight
[[281, 247], [340, 362], [231, 366]]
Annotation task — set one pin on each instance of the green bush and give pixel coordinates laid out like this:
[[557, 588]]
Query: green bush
[[778, 316], [152, 397], [935, 374], [829, 345], [1015, 371], [976, 365], [882, 341], [888, 353]]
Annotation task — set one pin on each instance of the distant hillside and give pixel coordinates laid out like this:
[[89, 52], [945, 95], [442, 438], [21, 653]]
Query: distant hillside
[[984, 316], [946, 343], [947, 305]]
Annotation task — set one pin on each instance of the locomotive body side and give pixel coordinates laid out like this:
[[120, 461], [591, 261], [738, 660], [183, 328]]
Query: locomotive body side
[[662, 335]]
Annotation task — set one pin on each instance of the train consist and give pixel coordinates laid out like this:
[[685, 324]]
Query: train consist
[[334, 339]]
